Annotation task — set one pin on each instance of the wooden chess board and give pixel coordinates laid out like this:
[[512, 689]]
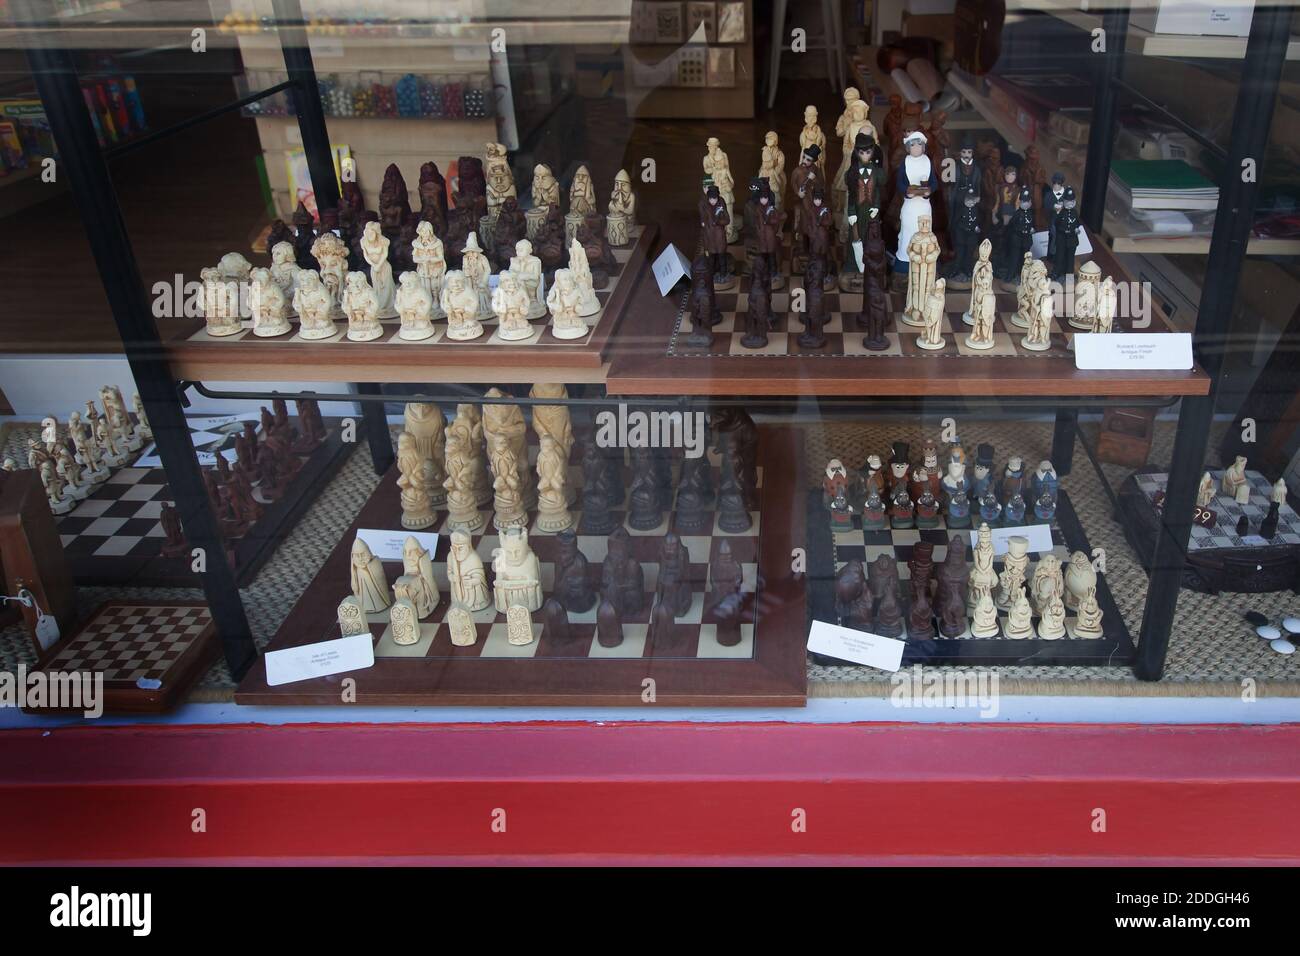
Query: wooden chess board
[[115, 535], [196, 354], [830, 550], [688, 665], [148, 653]]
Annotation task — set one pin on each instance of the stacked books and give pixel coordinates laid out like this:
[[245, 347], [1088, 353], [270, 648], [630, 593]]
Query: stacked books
[[1162, 184]]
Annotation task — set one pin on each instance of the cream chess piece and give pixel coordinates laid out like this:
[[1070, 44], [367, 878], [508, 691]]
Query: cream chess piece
[[621, 217], [374, 249], [772, 167], [503, 425], [718, 166], [1088, 623], [460, 303], [417, 512], [1205, 490], [1025, 298], [580, 269], [981, 279], [115, 411], [361, 306], [1278, 495], [470, 420], [1106, 305], [1046, 582], [315, 307], [417, 571], [983, 309], [1087, 297], [1039, 336], [839, 189], [71, 473], [464, 472], [425, 424], [415, 306], [812, 135], [50, 434], [284, 270], [1234, 477], [507, 489], [465, 574], [517, 573], [519, 625], [220, 303], [461, 624], [1020, 624], [983, 578], [564, 300], [331, 254], [527, 268], [510, 303], [83, 440], [60, 503], [932, 316], [234, 266], [1051, 626], [268, 305], [430, 262], [582, 200], [352, 618], [9, 464], [143, 428], [546, 193], [477, 270], [552, 493], [1014, 564], [369, 586], [500, 180], [985, 621], [922, 262], [1080, 578], [404, 623], [107, 438], [553, 420]]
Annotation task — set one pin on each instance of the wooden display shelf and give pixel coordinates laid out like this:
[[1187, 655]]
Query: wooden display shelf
[[194, 355], [769, 671], [1118, 240], [640, 363]]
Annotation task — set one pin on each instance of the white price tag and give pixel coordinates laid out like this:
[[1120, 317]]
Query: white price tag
[[387, 545], [1133, 351], [1039, 248], [860, 647], [670, 268], [320, 659]]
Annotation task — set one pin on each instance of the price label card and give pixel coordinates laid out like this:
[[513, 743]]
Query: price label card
[[860, 647], [670, 268], [320, 659], [1133, 351], [1039, 535], [387, 545], [1039, 248]]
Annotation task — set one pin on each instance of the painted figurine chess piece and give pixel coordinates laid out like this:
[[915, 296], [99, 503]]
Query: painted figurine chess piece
[[1063, 239], [430, 262], [964, 230], [863, 184], [932, 318], [315, 307], [361, 306], [768, 224], [812, 135], [1016, 240], [415, 306], [564, 300], [855, 125], [580, 269], [915, 182], [1087, 297], [266, 300], [621, 218], [466, 575], [715, 223], [510, 303], [369, 586], [374, 249], [922, 256], [517, 572], [460, 302], [717, 167], [527, 268]]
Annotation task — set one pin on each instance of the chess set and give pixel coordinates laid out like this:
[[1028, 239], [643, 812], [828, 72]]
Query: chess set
[[667, 606], [485, 279], [1234, 545], [148, 653]]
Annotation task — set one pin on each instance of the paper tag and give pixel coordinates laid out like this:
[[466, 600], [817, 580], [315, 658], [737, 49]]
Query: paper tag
[[320, 659], [1133, 351], [1039, 535], [209, 459], [218, 421], [47, 629], [860, 647], [1040, 244], [387, 545], [670, 268]]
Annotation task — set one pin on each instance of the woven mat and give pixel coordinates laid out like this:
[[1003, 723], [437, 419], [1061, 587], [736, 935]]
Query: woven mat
[[1211, 649]]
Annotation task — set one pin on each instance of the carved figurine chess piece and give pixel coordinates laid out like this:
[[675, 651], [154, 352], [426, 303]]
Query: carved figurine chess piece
[[981, 280], [1020, 624], [922, 256], [475, 266], [460, 302], [1014, 564], [351, 618], [717, 167], [1205, 491], [1047, 582], [588, 303], [504, 428], [703, 305], [369, 586], [220, 303], [500, 181], [464, 475], [983, 309], [466, 575], [1087, 297], [759, 311], [564, 300], [527, 268], [425, 423], [142, 420], [621, 218], [417, 568], [1088, 622], [517, 572], [983, 578], [1026, 300], [284, 267], [984, 623], [1051, 626], [1106, 306], [1039, 336], [315, 306], [430, 262], [417, 512], [332, 255], [415, 306], [267, 303], [553, 420], [404, 623], [1234, 477], [545, 193], [931, 336], [374, 249], [772, 167], [510, 303], [552, 487], [107, 437], [361, 306], [469, 420], [55, 489]]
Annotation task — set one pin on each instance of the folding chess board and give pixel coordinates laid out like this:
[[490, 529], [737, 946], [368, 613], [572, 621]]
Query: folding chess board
[[147, 653], [834, 549], [1218, 559], [193, 351], [115, 535], [687, 664]]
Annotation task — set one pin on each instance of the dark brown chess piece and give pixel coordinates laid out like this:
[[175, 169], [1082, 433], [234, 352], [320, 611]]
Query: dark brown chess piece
[[875, 258], [818, 226], [853, 600], [433, 198], [609, 624], [241, 495], [311, 429], [278, 233], [694, 494], [280, 423], [726, 596], [304, 234], [622, 580], [175, 545], [394, 202], [661, 623], [645, 508], [401, 250], [595, 223], [703, 306], [920, 618], [875, 316], [572, 575], [510, 227], [714, 220], [461, 221], [814, 316], [884, 587], [555, 622], [224, 474], [736, 436], [471, 182], [590, 242], [769, 223], [549, 245], [674, 585], [950, 598], [920, 568], [759, 313], [597, 493]]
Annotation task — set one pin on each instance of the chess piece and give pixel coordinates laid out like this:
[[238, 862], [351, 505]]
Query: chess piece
[[284, 268], [609, 624], [715, 223], [1106, 306], [1268, 527], [597, 492], [922, 256], [417, 512], [508, 231], [876, 316], [352, 618], [759, 312], [812, 136], [622, 579], [1279, 492], [415, 305], [863, 184], [983, 578], [695, 493], [985, 620], [1087, 297], [500, 181], [517, 572], [813, 317], [950, 595], [510, 509], [726, 600], [477, 269], [565, 300], [1234, 477], [1027, 291], [519, 625], [817, 223], [1016, 240], [1046, 582], [981, 280], [808, 175], [920, 617], [555, 622], [646, 509], [673, 588], [466, 574], [1020, 617], [369, 585], [425, 424], [1039, 337], [702, 306], [772, 167], [582, 200], [1051, 625], [882, 582], [915, 182], [417, 573], [394, 201], [1014, 564], [1088, 622], [527, 268], [461, 625], [964, 231], [769, 222], [510, 304], [361, 306], [552, 495], [1080, 577], [932, 318], [432, 190], [465, 474], [580, 268], [429, 256], [460, 302], [374, 249], [1063, 238], [332, 254], [572, 575], [854, 603], [853, 128], [717, 167], [503, 427], [983, 310], [403, 623], [267, 302], [107, 437], [545, 193], [174, 544], [75, 485], [220, 304], [315, 306], [621, 218]]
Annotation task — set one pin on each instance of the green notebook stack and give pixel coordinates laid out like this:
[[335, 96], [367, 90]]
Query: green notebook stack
[[1162, 184]]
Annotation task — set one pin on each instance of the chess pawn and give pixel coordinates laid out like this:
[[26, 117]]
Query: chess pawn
[[1039, 337], [220, 317], [352, 617], [404, 623], [369, 585], [267, 302], [415, 306], [1051, 626], [932, 318], [1020, 617], [284, 268], [461, 304], [1242, 494], [510, 303], [985, 621], [527, 268], [1087, 297], [361, 306], [1106, 306], [983, 308], [1088, 623], [68, 469], [60, 503], [1080, 578], [315, 307], [143, 428]]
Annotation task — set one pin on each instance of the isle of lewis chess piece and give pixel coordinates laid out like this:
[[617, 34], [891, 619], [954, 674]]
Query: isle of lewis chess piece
[[609, 624], [726, 599], [622, 581], [572, 575], [517, 573], [555, 622], [674, 585], [714, 223], [621, 211], [883, 582], [694, 494], [369, 586], [597, 492], [546, 193], [759, 313]]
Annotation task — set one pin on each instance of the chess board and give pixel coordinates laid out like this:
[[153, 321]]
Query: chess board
[[541, 348], [115, 535], [688, 665], [1218, 559], [834, 549], [148, 653]]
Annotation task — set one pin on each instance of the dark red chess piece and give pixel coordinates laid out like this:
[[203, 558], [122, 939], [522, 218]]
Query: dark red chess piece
[[759, 312], [311, 428], [703, 307], [394, 202], [510, 227], [814, 315], [175, 546], [471, 182], [875, 316], [433, 198]]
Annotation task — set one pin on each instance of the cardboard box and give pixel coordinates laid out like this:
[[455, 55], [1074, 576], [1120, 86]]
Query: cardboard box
[[1215, 18]]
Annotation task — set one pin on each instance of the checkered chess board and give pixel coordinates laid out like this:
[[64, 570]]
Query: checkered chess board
[[541, 335], [133, 642], [1224, 533], [868, 546], [693, 636]]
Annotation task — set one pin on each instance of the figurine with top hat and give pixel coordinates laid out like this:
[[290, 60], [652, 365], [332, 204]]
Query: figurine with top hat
[[898, 468], [983, 480]]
